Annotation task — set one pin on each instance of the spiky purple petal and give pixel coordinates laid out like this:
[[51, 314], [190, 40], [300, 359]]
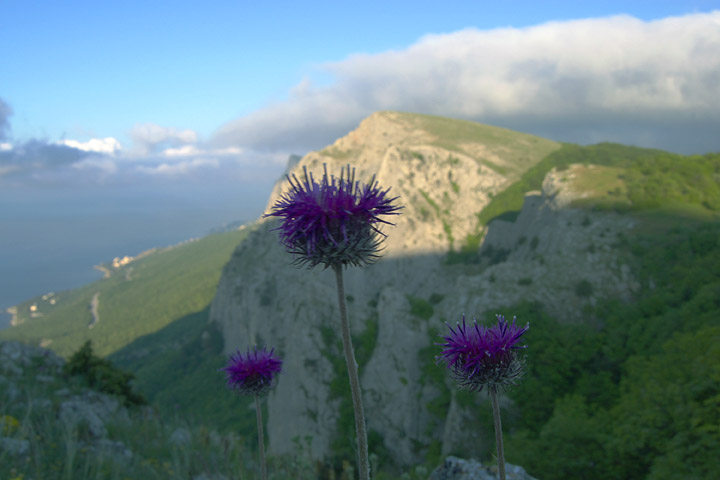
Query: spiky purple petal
[[481, 357], [254, 372], [334, 222]]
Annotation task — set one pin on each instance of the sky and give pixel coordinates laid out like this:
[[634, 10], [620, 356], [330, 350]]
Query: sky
[[92, 92], [191, 109]]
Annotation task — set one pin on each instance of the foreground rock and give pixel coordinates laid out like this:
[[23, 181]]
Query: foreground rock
[[458, 469], [25, 369]]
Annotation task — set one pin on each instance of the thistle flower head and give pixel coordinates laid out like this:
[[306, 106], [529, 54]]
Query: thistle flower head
[[481, 357], [334, 222], [253, 373]]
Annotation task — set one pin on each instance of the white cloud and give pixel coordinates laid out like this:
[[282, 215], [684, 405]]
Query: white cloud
[[184, 151], [179, 168], [167, 157], [615, 78], [149, 137], [193, 150], [106, 145]]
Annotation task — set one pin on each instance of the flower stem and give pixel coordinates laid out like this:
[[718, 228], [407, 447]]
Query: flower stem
[[360, 432], [498, 433], [261, 440]]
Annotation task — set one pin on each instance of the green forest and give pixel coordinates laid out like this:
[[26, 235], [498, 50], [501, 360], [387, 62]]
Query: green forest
[[638, 397]]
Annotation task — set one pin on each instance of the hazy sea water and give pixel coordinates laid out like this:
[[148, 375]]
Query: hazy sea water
[[50, 240]]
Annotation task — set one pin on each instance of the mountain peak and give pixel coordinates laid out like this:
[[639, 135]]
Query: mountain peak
[[444, 170]]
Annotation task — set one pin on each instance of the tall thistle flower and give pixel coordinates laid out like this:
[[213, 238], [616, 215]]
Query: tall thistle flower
[[481, 357], [254, 374], [335, 223]]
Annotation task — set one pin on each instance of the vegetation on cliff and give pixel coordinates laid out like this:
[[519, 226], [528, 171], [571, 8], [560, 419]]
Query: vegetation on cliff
[[629, 389]]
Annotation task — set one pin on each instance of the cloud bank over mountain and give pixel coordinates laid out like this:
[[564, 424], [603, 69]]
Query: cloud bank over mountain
[[157, 154], [618, 79]]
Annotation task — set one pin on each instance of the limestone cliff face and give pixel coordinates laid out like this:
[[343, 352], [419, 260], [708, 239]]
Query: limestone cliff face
[[444, 173]]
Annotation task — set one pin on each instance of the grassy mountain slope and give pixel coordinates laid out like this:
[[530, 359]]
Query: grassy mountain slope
[[137, 299], [177, 368], [506, 151], [634, 179]]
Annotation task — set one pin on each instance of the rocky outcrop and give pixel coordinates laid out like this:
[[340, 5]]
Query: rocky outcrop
[[25, 369], [556, 255], [53, 426], [454, 468]]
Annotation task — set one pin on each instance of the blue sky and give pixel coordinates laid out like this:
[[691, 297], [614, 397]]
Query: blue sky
[[82, 70]]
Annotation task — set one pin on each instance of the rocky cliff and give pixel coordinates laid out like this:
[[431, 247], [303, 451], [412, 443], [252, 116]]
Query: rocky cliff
[[445, 172]]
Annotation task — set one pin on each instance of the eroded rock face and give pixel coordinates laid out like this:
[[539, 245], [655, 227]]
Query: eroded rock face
[[90, 410], [454, 468], [262, 299]]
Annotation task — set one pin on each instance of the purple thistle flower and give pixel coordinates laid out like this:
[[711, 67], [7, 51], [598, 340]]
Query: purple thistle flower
[[254, 373], [334, 222], [484, 357]]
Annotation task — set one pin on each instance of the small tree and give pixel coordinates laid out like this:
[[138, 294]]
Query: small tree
[[102, 375]]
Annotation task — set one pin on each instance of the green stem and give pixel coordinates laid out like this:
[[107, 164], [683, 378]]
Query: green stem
[[360, 432], [498, 434], [261, 440]]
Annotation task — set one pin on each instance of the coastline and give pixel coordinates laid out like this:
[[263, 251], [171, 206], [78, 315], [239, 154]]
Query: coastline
[[12, 312], [63, 273]]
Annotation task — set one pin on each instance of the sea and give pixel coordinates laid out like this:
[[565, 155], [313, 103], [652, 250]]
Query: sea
[[50, 240]]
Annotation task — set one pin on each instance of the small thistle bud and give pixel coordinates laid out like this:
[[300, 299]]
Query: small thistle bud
[[334, 222], [253, 373], [481, 357]]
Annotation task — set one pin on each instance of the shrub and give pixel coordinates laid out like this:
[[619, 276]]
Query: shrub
[[583, 288], [101, 375], [420, 308]]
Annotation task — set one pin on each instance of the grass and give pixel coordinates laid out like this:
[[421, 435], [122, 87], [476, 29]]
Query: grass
[[508, 152], [599, 185], [176, 369], [667, 217], [60, 450], [338, 154], [632, 178]]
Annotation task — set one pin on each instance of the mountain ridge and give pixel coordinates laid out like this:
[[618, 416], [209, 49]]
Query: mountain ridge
[[558, 234]]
